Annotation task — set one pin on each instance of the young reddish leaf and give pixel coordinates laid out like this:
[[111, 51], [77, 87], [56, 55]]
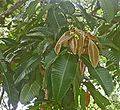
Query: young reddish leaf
[[87, 98], [93, 53]]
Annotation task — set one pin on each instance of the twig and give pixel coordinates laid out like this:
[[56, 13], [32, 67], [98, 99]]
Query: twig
[[12, 9], [98, 17]]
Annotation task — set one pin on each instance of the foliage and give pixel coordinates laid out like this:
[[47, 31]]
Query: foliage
[[57, 52]]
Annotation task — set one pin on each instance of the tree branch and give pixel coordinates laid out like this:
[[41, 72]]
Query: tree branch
[[12, 9]]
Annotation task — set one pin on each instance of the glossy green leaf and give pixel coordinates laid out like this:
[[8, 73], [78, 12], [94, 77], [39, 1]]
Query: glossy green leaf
[[62, 75], [100, 100], [29, 91], [101, 74]]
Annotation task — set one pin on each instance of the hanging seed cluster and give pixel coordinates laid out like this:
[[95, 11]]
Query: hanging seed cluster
[[80, 42]]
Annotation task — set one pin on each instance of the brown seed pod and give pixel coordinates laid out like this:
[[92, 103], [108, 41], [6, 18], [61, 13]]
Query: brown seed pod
[[76, 45], [93, 53], [92, 37], [57, 48], [87, 98], [80, 46], [62, 41], [73, 45], [82, 67]]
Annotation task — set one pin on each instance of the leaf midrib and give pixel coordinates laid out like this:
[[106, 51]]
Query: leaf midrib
[[63, 75], [29, 91]]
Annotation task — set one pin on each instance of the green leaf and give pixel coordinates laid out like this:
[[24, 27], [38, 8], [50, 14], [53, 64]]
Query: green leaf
[[26, 68], [49, 82], [101, 74], [108, 43], [8, 82], [76, 85], [77, 23], [116, 37], [55, 1], [30, 10], [67, 7], [82, 99], [110, 8], [43, 30], [55, 19], [8, 41], [100, 100], [34, 34], [68, 100], [50, 58], [89, 19], [29, 92], [62, 75], [111, 56]]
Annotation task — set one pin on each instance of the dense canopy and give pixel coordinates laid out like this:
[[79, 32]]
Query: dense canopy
[[60, 54]]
